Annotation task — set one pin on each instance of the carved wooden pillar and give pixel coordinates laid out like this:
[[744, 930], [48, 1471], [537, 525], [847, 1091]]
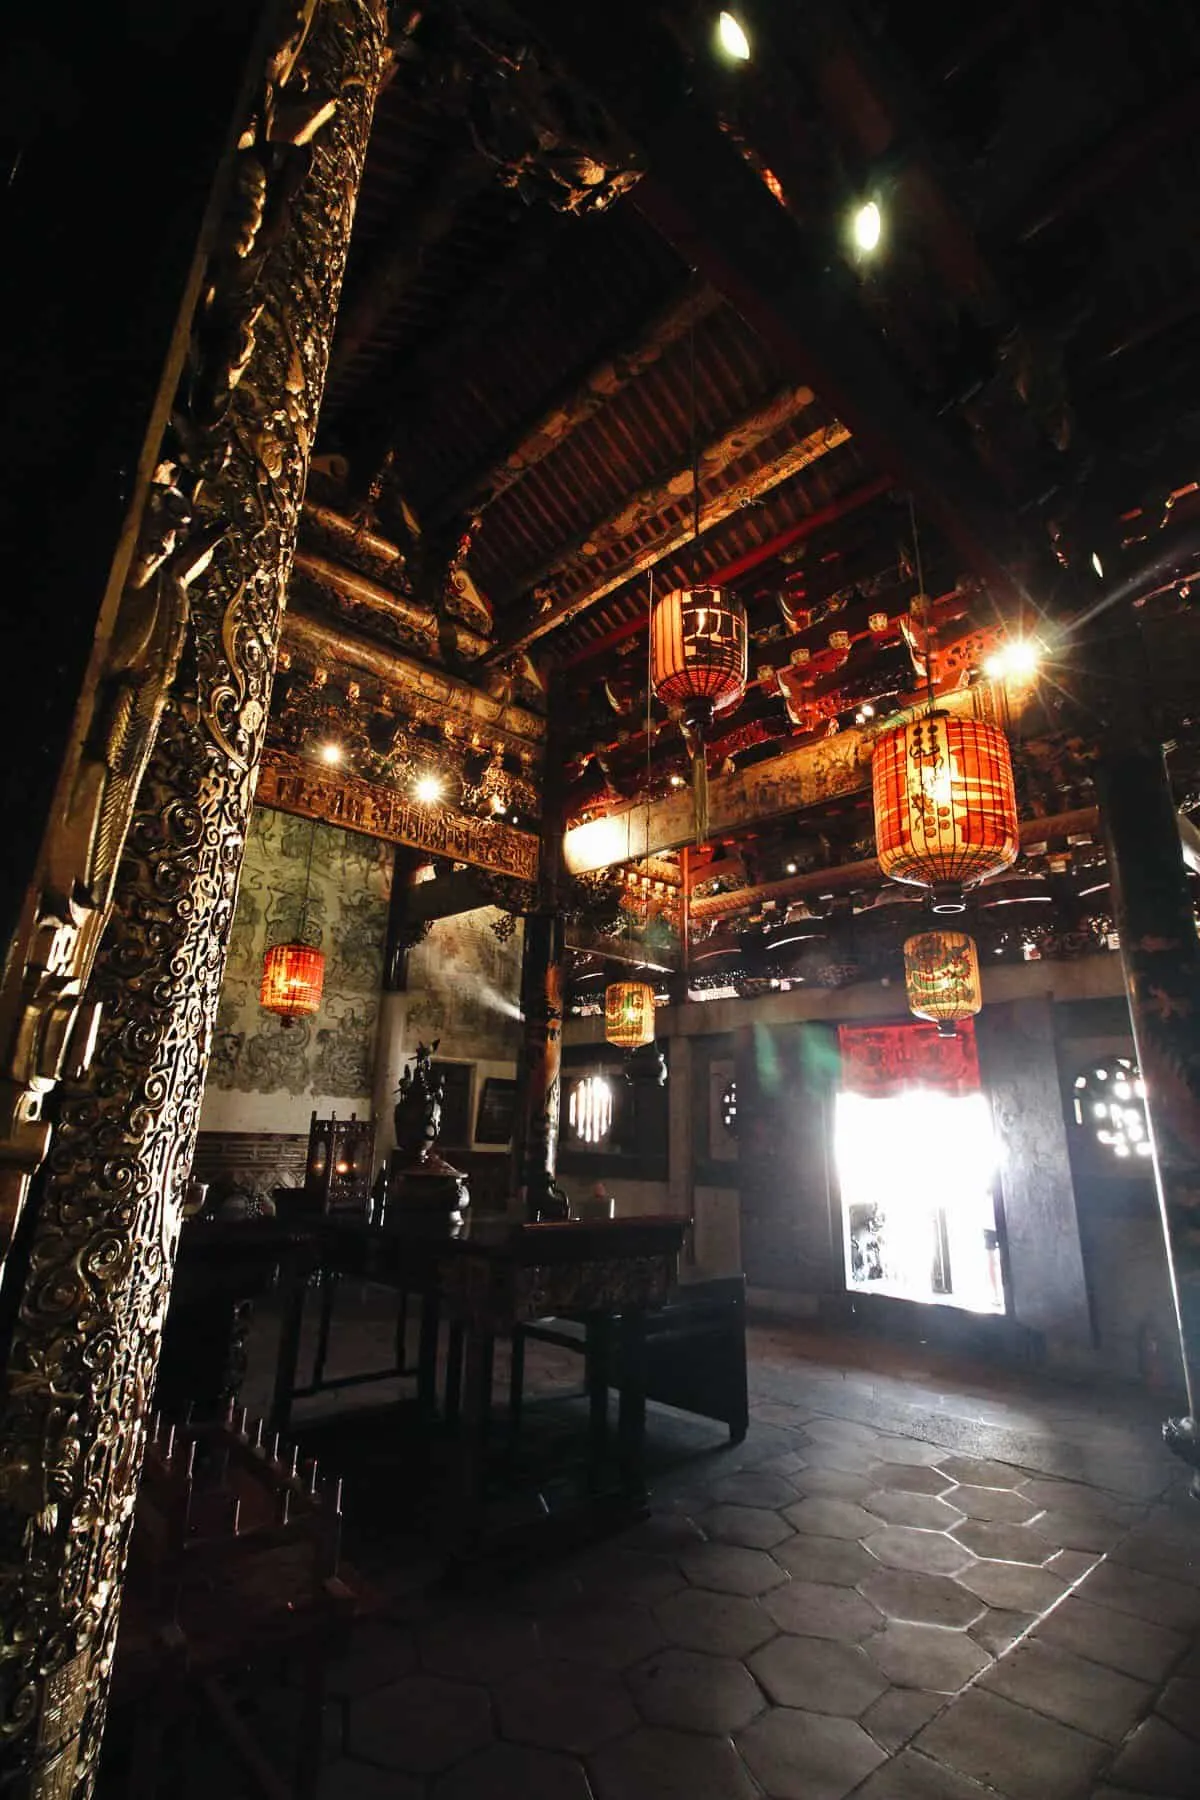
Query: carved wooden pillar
[[539, 1068], [1160, 954], [94, 1263]]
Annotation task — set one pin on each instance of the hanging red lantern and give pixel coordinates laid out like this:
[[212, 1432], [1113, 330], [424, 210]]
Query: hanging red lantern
[[292, 980], [945, 805], [941, 978], [629, 1014], [698, 666]]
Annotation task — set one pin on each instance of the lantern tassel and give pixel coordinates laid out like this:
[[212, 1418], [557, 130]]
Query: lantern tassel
[[700, 794]]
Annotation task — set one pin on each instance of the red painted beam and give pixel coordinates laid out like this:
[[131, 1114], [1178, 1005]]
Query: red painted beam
[[753, 559]]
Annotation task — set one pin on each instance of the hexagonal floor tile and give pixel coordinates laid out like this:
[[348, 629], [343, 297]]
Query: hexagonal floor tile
[[609, 1637], [347, 1780], [927, 1552], [911, 1478], [814, 1609], [841, 1453], [1014, 1586], [731, 1570], [808, 1756], [999, 1629], [378, 1653], [513, 1772], [826, 1429], [563, 1706], [1003, 1543], [1077, 1531], [611, 1573], [899, 1714], [693, 1692], [1006, 1506], [754, 1527], [922, 1599], [898, 1507], [652, 1764], [753, 1489], [722, 1624], [912, 1451], [832, 1484], [471, 1646], [927, 1656], [817, 1675], [840, 1561], [831, 1518], [980, 1472], [421, 1724]]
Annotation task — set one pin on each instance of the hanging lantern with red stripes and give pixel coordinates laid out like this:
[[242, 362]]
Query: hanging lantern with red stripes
[[292, 980], [698, 667], [945, 805], [941, 978]]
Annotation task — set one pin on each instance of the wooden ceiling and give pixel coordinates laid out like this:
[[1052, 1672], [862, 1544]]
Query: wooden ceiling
[[589, 248]]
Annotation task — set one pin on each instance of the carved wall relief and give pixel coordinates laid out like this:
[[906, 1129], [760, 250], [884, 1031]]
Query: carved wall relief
[[102, 1244]]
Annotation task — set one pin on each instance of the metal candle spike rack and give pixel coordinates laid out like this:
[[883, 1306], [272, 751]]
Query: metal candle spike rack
[[234, 1556]]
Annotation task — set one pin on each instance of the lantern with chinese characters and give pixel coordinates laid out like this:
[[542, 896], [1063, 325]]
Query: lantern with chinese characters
[[945, 805], [941, 978], [698, 664], [293, 976], [629, 1014]]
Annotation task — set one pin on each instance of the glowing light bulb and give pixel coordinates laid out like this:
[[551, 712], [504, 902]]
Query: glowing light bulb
[[1017, 660], [791, 868], [678, 781], [1097, 565], [331, 754], [867, 227], [427, 789], [731, 36]]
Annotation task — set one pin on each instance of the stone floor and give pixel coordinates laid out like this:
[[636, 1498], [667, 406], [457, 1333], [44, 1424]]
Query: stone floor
[[916, 1579]]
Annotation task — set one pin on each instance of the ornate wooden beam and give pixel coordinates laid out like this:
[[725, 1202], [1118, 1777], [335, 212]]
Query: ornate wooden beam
[[814, 881], [424, 690], [577, 402], [292, 784], [354, 595], [752, 559], [797, 457], [826, 770]]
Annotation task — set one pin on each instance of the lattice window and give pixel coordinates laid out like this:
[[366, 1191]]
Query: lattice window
[[1110, 1104], [590, 1109]]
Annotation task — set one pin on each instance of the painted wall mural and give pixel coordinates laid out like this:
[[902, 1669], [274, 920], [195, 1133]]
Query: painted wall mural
[[330, 1056], [464, 986]]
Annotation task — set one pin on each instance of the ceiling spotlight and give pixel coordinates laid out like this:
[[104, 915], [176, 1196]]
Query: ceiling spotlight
[[1017, 660], [867, 227], [1097, 565], [427, 789], [331, 754], [732, 39]]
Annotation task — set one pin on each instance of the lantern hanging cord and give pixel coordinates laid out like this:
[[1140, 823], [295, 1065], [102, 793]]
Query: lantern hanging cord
[[312, 838], [695, 455], [926, 604]]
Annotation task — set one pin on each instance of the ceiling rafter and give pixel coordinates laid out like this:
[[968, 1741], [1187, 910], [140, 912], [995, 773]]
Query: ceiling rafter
[[721, 215], [577, 401], [798, 456]]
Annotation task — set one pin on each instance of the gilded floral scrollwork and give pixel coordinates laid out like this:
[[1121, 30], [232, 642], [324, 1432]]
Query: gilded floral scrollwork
[[221, 525]]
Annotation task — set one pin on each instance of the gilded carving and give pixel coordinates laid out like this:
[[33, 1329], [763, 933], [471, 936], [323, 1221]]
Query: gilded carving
[[294, 785], [101, 1252]]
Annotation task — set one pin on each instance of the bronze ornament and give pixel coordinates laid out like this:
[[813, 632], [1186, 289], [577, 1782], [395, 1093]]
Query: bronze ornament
[[101, 1253]]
